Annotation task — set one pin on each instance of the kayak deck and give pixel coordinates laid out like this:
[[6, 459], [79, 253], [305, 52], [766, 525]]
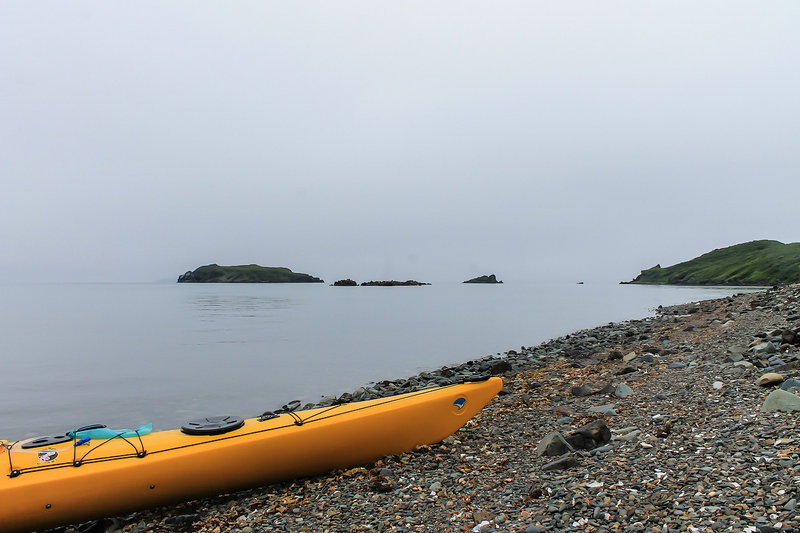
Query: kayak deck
[[72, 482]]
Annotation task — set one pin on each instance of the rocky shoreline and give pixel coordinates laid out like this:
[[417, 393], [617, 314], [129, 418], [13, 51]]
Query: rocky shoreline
[[664, 424]]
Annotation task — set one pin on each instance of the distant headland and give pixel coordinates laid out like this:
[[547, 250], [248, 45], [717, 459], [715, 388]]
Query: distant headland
[[760, 263], [245, 274], [491, 278]]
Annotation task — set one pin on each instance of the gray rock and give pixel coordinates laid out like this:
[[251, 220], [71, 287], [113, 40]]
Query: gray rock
[[791, 385], [583, 390], [552, 445], [562, 464], [623, 391], [676, 364], [605, 410], [629, 357], [780, 400], [734, 357], [736, 349], [764, 348]]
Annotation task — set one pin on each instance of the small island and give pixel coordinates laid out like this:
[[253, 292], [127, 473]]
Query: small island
[[245, 274], [484, 279], [393, 283], [759, 263], [345, 283]]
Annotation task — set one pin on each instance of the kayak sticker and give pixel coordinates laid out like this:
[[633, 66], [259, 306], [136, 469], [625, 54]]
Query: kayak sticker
[[460, 403], [45, 456]]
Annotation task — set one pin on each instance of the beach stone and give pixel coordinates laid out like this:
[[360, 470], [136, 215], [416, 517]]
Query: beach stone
[[608, 388], [734, 357], [629, 357], [737, 349], [605, 410], [564, 420], [764, 348], [623, 391], [583, 390], [564, 410], [770, 378], [589, 436], [791, 385], [780, 400], [625, 370], [552, 445], [500, 367], [717, 385], [562, 464], [676, 364]]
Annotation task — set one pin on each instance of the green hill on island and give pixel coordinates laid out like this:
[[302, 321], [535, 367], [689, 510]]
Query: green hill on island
[[751, 263], [245, 274]]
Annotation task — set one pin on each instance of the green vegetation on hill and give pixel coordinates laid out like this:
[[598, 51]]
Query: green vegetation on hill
[[751, 263], [245, 274]]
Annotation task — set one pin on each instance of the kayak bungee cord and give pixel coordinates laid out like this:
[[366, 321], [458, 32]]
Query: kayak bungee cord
[[140, 452]]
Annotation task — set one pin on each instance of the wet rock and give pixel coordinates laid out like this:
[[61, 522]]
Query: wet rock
[[676, 364]]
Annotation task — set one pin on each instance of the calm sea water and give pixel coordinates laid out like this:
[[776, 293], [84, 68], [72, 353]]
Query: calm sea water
[[128, 354]]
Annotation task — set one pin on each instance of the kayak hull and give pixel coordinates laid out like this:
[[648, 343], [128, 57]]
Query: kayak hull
[[42, 490]]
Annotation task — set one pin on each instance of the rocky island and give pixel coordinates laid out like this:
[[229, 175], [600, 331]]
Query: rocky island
[[393, 283], [484, 279], [760, 263], [245, 274]]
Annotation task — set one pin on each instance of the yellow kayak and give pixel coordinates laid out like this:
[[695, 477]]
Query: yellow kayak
[[53, 481]]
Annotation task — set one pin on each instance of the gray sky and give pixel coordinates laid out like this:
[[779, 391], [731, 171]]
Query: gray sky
[[375, 140]]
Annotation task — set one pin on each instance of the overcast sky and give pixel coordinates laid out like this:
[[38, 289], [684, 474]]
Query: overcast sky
[[408, 139]]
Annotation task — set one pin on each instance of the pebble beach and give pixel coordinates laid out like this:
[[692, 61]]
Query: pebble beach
[[683, 421]]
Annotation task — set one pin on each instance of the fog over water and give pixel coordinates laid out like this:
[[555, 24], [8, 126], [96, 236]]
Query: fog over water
[[375, 140]]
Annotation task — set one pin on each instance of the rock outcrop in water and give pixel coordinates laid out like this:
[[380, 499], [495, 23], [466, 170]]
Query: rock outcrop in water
[[393, 283], [484, 279], [245, 274]]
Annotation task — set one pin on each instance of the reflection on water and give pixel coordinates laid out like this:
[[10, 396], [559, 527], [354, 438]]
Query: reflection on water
[[213, 307], [125, 355]]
